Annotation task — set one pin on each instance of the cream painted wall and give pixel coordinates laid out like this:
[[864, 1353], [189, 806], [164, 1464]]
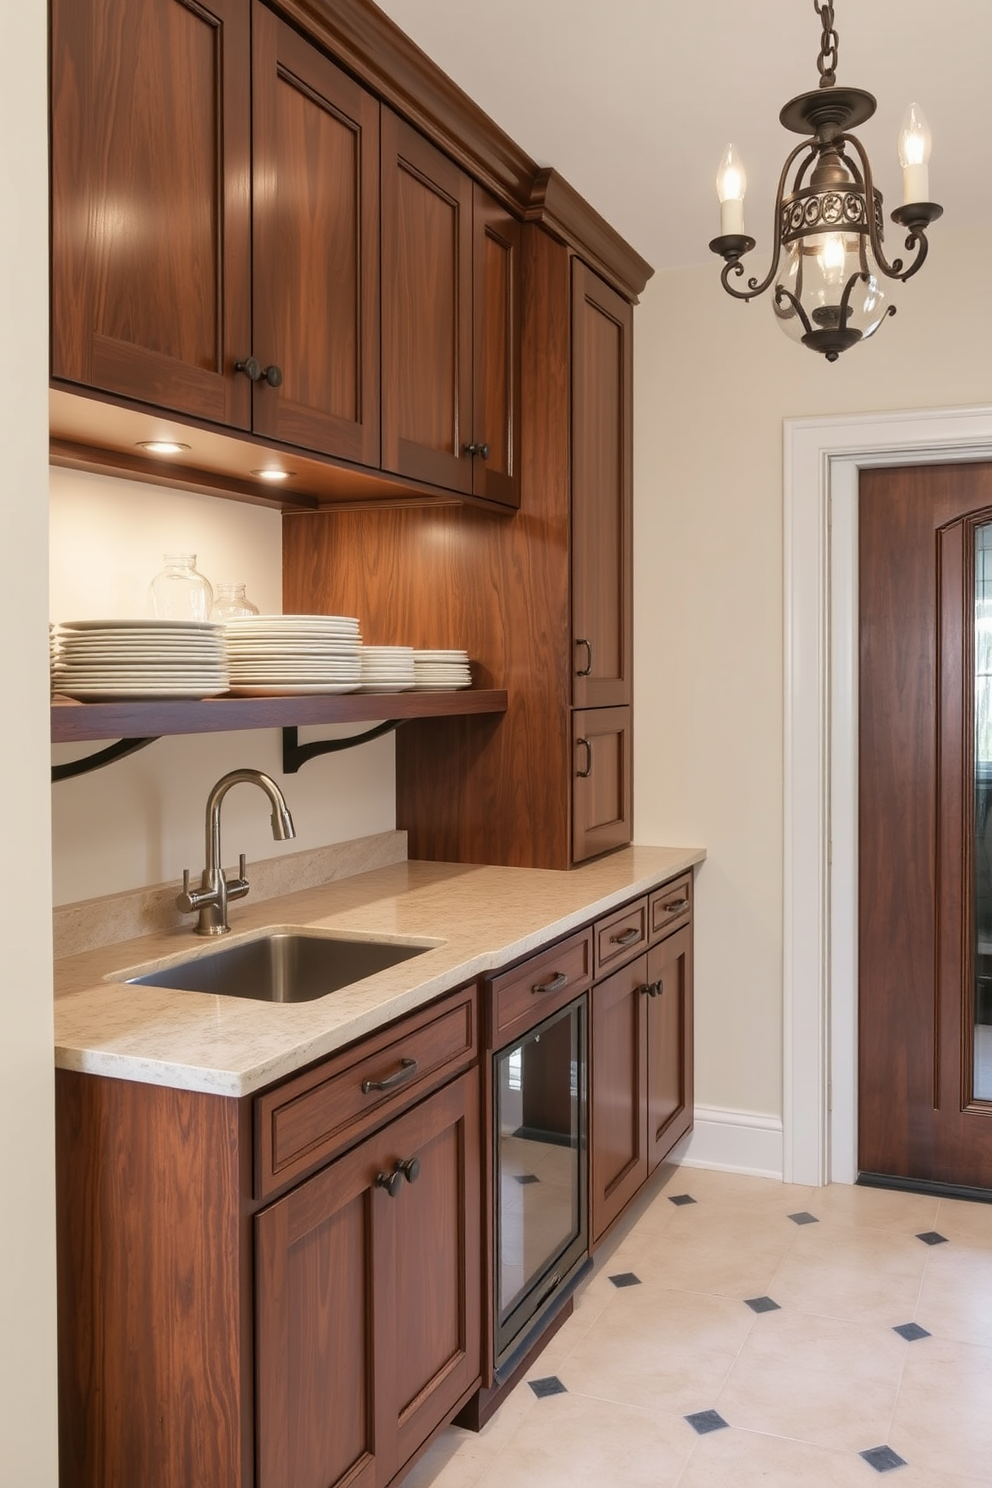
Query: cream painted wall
[[27, 1213], [140, 821], [713, 382]]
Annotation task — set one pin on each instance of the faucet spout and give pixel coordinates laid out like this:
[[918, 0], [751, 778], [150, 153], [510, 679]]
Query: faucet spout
[[216, 890]]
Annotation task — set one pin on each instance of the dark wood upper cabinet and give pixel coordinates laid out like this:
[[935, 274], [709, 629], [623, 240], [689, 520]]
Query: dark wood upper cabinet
[[315, 172], [450, 323], [602, 489], [150, 204]]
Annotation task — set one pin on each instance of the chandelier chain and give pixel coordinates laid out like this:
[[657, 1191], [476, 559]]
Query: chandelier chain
[[826, 62]]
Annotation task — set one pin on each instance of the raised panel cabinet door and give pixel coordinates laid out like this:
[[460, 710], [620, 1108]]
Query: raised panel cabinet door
[[316, 247], [602, 449], [601, 781], [426, 310], [496, 352], [150, 201], [669, 1040], [318, 1252], [428, 1297], [618, 1093]]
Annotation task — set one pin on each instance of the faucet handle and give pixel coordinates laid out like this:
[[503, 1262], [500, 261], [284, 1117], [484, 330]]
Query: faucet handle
[[238, 887], [189, 900]]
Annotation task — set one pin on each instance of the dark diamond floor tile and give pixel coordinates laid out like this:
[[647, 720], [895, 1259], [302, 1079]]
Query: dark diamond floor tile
[[911, 1332], [550, 1385], [761, 1304], [883, 1459], [706, 1421], [932, 1237], [625, 1279], [681, 1199], [528, 1178], [804, 1218]]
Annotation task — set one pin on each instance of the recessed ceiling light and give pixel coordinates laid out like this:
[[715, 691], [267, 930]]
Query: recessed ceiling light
[[272, 474], [162, 446]]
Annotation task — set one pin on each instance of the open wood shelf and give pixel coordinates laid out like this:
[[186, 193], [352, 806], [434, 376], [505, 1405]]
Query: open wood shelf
[[74, 722]]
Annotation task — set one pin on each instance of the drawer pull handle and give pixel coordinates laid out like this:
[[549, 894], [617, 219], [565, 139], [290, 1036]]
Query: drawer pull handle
[[584, 774], [676, 906], [627, 938], [585, 671], [559, 980], [406, 1071]]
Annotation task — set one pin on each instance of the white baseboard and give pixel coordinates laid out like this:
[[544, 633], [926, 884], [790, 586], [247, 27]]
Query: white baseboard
[[733, 1142]]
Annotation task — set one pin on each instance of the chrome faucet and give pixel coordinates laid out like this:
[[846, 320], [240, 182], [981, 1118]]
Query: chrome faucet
[[211, 899]]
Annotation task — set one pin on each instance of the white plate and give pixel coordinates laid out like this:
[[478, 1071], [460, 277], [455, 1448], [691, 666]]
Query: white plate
[[447, 656], [385, 687], [175, 677], [137, 627], [116, 694], [272, 689], [440, 686]]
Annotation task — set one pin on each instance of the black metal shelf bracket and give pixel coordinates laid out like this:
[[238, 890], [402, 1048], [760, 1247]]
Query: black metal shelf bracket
[[295, 754], [120, 750]]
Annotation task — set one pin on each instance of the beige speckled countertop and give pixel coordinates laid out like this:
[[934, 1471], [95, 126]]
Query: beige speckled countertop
[[477, 918]]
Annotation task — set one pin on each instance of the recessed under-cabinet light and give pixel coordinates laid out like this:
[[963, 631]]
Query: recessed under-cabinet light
[[162, 446], [273, 474]]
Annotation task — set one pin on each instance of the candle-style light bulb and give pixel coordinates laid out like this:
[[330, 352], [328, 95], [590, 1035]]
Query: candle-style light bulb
[[914, 154], [731, 183]]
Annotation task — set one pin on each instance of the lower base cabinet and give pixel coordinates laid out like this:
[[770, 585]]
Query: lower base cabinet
[[641, 1073], [367, 1301]]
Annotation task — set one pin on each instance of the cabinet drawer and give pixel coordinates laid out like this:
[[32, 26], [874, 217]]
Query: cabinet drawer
[[540, 986], [670, 905], [621, 934], [304, 1122]]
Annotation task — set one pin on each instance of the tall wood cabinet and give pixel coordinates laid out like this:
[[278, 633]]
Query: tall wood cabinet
[[541, 602]]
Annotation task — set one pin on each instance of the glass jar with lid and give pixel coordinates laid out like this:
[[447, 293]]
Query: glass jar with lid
[[180, 592], [232, 603]]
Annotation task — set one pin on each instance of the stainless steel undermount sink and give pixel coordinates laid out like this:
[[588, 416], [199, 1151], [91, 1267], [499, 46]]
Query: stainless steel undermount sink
[[282, 966]]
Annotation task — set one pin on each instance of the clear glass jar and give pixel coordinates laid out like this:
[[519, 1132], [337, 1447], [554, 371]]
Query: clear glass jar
[[179, 592], [231, 603]]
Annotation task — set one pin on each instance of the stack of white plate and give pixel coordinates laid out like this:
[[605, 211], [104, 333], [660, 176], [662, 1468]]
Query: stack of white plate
[[105, 660], [441, 671], [291, 655], [387, 668]]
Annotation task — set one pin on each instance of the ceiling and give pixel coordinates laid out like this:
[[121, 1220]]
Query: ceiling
[[633, 101]]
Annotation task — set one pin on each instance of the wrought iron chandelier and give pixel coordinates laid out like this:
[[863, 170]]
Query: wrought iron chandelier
[[828, 227]]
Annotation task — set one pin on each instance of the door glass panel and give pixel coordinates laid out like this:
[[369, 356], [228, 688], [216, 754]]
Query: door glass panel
[[983, 814]]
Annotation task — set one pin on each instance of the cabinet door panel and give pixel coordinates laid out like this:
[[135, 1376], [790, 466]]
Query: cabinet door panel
[[316, 1256], [618, 1084], [426, 310], [150, 201], [669, 1039], [496, 351], [316, 247], [602, 324], [601, 795], [431, 1315]]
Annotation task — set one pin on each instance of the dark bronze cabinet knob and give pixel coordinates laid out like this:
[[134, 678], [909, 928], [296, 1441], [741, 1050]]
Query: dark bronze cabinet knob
[[482, 450], [409, 1168], [255, 372], [391, 1182]]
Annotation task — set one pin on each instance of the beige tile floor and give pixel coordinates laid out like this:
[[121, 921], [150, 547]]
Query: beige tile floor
[[804, 1389]]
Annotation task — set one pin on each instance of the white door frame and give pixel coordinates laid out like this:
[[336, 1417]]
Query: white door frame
[[822, 458]]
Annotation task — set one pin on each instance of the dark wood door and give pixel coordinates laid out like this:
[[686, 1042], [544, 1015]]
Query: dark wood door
[[669, 1044], [602, 447], [601, 785], [617, 1093], [316, 247], [151, 251], [318, 1254], [920, 938], [368, 1306], [496, 351], [426, 310], [429, 1301]]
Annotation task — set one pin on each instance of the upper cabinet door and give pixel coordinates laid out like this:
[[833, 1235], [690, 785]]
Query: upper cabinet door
[[602, 443], [496, 352], [426, 310], [316, 247], [150, 186]]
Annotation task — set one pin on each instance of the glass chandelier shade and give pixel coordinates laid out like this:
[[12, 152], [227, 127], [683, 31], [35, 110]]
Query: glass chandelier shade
[[828, 265]]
